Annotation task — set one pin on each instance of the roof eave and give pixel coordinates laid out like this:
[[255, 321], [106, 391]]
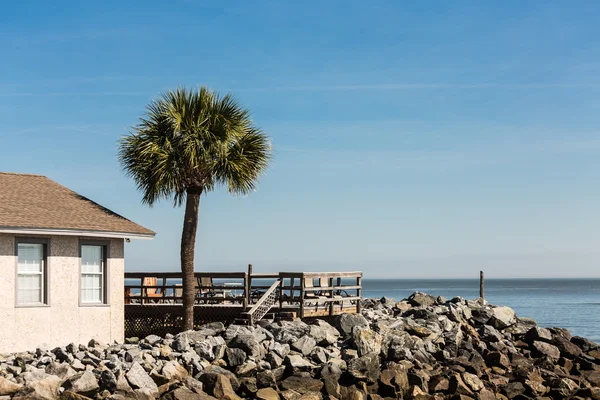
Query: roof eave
[[76, 232]]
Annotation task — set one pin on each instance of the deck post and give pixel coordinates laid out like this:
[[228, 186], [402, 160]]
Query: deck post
[[481, 285], [247, 286], [281, 280], [331, 305], [302, 296], [338, 293], [358, 292]]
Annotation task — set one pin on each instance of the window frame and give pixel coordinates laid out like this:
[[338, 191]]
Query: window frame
[[45, 271], [105, 244]]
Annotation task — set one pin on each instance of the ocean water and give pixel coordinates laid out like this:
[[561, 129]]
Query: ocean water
[[567, 303]]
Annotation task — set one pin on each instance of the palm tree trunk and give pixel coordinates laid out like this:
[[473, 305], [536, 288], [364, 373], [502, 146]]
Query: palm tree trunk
[[188, 243]]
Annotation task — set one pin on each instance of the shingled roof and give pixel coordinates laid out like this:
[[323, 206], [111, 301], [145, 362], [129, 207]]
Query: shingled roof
[[34, 202]]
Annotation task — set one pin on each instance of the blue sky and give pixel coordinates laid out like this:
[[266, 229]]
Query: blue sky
[[412, 139]]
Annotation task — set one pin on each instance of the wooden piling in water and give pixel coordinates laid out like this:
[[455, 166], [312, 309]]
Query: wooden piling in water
[[481, 285]]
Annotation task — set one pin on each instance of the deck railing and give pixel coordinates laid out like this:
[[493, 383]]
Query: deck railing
[[166, 288], [153, 300]]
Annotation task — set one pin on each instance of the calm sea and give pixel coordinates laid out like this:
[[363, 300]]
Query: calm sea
[[567, 303]]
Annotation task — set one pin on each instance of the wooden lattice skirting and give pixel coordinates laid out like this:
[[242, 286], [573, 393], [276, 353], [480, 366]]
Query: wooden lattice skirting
[[160, 319]]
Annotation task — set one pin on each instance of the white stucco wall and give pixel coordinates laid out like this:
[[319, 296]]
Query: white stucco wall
[[63, 321]]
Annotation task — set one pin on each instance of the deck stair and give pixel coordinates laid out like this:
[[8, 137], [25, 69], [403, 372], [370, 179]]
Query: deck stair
[[261, 308]]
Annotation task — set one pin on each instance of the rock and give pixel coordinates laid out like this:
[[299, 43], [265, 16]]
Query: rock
[[247, 343], [267, 394], [223, 390], [366, 340], [513, 389], [172, 370], [152, 340], [365, 368], [421, 299], [438, 383], [584, 344], [205, 350], [8, 387], [482, 315], [182, 342], [304, 345], [235, 356], [82, 383], [419, 331], [318, 356], [458, 386], [246, 369], [472, 381], [302, 383], [330, 375], [211, 329], [497, 359], [345, 323], [290, 395], [503, 317], [490, 334], [214, 370], [323, 333], [184, 393], [139, 379], [539, 334], [566, 348], [43, 389], [288, 331], [394, 381], [297, 363], [541, 349]]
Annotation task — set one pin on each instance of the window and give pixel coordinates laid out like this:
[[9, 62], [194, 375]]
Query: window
[[93, 274], [31, 272]]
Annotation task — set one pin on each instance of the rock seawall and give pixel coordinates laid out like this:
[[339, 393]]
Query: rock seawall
[[420, 348]]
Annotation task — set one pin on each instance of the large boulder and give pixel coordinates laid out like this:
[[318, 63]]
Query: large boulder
[[8, 387], [302, 383], [249, 344], [223, 390], [304, 345], [541, 349], [288, 331], [366, 340], [421, 299], [323, 333], [172, 370], [82, 383], [42, 389], [345, 323], [503, 317], [365, 368], [139, 379]]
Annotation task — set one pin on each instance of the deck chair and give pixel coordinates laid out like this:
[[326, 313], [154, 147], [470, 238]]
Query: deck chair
[[150, 292], [313, 295], [178, 293], [205, 288]]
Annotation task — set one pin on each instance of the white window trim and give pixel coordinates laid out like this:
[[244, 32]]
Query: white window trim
[[45, 273], [105, 274]]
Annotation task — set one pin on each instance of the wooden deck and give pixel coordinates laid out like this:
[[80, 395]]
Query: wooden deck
[[153, 301]]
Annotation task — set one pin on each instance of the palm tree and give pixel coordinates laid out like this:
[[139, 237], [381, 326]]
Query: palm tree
[[188, 143]]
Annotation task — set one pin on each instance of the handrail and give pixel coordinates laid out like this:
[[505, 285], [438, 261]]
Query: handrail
[[217, 275], [264, 304]]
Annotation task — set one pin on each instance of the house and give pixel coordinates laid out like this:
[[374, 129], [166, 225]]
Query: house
[[61, 265]]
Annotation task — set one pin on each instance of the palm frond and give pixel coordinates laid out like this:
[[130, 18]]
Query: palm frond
[[193, 139]]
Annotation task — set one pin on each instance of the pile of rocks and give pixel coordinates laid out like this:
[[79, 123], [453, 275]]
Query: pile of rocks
[[419, 348]]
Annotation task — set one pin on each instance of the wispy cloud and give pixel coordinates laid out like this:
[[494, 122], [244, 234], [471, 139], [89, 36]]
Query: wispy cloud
[[416, 86], [74, 94], [302, 88]]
